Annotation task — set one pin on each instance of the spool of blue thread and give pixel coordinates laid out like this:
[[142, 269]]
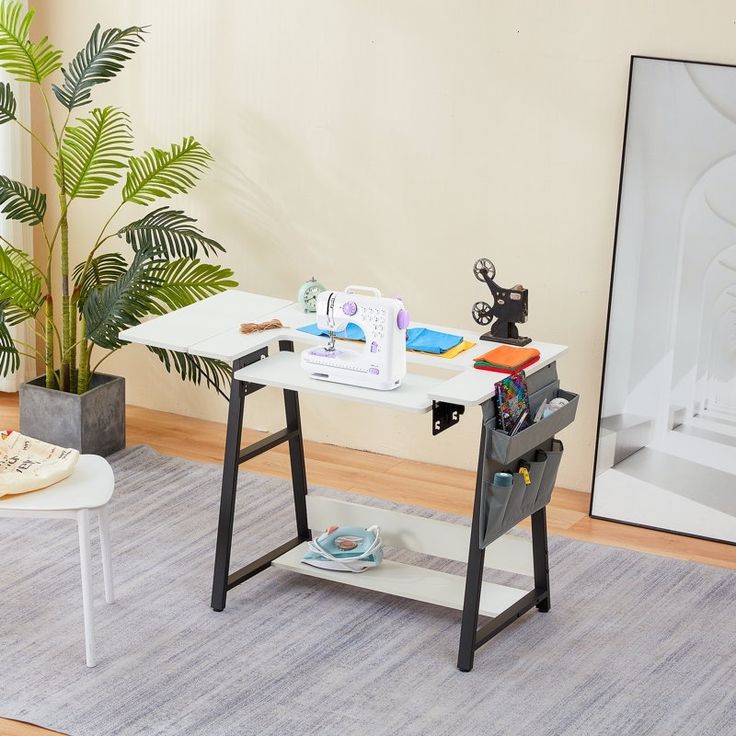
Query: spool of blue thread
[[503, 479]]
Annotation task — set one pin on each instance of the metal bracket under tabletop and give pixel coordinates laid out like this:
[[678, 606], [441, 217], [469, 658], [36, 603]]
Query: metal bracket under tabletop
[[445, 415]]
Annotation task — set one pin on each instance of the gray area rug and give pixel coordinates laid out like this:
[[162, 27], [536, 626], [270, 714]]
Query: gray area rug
[[634, 644]]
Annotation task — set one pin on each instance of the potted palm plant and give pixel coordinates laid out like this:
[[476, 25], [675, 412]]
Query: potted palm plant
[[161, 265]]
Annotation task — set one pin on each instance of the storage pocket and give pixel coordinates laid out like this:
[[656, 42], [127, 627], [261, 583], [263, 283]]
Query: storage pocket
[[537, 398], [505, 506], [549, 476], [505, 449], [502, 504], [537, 465]]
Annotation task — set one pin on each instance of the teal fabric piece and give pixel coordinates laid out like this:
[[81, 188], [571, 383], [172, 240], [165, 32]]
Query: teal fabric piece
[[431, 341], [417, 338]]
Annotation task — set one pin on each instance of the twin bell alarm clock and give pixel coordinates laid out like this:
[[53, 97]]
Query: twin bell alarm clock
[[308, 293]]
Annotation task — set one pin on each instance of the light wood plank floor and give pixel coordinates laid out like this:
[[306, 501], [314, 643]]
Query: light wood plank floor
[[405, 481]]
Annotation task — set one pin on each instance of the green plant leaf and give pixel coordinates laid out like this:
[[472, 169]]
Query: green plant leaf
[[9, 357], [121, 303], [7, 103], [22, 203], [94, 152], [103, 269], [26, 61], [20, 286], [98, 62], [170, 233], [158, 173], [214, 373], [186, 281]]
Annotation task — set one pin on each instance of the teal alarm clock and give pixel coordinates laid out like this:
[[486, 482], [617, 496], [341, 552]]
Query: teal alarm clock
[[308, 293]]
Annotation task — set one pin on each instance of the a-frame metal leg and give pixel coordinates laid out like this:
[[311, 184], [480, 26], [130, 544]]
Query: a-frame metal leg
[[296, 454], [472, 637], [541, 559], [229, 489], [474, 573], [223, 579]]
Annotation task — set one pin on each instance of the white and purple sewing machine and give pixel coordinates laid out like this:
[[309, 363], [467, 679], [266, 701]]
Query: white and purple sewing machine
[[379, 363]]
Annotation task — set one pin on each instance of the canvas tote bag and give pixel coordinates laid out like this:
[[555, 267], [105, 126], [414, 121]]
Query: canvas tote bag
[[27, 464]]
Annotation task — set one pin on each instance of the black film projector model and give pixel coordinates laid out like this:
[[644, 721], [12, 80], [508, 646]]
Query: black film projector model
[[509, 307]]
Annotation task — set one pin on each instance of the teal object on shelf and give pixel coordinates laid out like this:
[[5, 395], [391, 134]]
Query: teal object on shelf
[[350, 549]]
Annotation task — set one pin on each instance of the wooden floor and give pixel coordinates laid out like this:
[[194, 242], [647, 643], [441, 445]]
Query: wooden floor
[[405, 481]]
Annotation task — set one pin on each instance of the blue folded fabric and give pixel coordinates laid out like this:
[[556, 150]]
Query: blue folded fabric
[[421, 339], [430, 341]]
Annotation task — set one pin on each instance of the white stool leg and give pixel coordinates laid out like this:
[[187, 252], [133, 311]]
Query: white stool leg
[[104, 524], [87, 602]]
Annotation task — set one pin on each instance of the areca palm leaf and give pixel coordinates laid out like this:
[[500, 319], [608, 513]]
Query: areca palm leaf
[[170, 233], [103, 269], [9, 357], [214, 373], [98, 62], [119, 304], [159, 173], [26, 61], [186, 281], [20, 286], [21, 202], [94, 152], [7, 103]]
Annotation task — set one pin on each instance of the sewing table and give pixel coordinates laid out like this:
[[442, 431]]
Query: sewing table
[[210, 328]]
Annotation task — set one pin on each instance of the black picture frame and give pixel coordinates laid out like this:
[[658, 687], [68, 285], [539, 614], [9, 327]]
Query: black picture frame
[[616, 244]]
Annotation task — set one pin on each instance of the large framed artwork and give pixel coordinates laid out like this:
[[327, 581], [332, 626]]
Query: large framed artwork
[[666, 446]]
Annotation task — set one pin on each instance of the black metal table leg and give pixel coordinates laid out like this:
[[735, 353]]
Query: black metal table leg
[[223, 579], [474, 573], [472, 637], [541, 559], [296, 454], [229, 489]]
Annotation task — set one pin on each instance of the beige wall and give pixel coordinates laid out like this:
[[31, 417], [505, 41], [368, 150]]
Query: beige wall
[[393, 143]]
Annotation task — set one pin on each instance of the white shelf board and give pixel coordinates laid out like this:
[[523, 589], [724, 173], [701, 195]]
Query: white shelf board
[[420, 534], [185, 327], [283, 370], [408, 581]]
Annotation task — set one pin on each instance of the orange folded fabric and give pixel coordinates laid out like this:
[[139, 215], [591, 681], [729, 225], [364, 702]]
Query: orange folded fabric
[[507, 359]]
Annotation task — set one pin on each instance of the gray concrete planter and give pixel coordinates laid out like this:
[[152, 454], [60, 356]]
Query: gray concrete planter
[[92, 423]]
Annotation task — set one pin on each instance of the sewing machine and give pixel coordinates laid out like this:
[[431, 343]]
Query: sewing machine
[[378, 363]]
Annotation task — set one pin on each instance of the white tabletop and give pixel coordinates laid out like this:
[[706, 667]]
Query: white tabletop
[[182, 329], [210, 328]]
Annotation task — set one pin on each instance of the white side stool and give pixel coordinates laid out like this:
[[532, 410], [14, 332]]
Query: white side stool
[[88, 488]]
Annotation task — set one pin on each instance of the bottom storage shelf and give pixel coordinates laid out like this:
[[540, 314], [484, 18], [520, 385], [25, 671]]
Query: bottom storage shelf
[[408, 581]]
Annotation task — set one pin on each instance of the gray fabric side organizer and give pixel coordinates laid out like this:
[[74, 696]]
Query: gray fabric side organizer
[[503, 507], [505, 448]]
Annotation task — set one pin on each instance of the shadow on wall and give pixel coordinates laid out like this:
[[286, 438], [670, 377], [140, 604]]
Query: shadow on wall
[[247, 203], [302, 210]]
